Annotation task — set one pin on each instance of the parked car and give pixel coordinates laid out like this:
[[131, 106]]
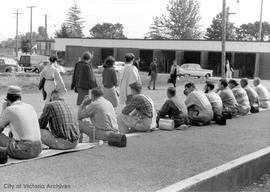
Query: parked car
[[195, 70], [9, 65], [62, 69], [118, 66]]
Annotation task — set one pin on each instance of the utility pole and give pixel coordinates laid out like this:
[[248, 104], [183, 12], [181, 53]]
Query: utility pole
[[223, 39], [46, 36], [31, 10], [17, 30], [257, 62]]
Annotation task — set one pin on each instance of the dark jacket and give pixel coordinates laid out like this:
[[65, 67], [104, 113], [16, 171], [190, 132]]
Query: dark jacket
[[83, 76]]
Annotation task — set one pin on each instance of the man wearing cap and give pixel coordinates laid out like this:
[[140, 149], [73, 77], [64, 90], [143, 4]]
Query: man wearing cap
[[199, 108], [139, 113], [102, 116], [262, 92], [83, 78], [24, 141], [63, 131], [129, 75], [252, 95], [240, 96]]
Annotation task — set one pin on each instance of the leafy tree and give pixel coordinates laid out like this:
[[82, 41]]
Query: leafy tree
[[250, 31], [214, 32], [107, 30], [182, 21], [25, 45], [42, 32], [74, 21], [63, 32]]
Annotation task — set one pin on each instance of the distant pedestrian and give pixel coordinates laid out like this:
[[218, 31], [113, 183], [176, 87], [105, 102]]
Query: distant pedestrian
[[228, 70], [110, 83], [173, 73], [83, 78], [153, 73], [130, 75], [53, 79], [136, 63]]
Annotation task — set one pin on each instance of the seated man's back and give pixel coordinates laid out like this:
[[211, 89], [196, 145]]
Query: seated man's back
[[61, 119], [242, 100], [216, 102], [227, 98]]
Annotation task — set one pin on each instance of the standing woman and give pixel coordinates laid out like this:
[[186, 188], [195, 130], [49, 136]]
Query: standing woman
[[53, 79], [83, 78], [109, 79], [173, 73], [228, 70]]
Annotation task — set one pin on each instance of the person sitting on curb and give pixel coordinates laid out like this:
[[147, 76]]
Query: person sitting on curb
[[252, 96], [199, 108], [175, 109], [102, 116], [230, 106], [214, 99], [240, 96], [262, 92], [139, 114], [24, 141], [63, 131]]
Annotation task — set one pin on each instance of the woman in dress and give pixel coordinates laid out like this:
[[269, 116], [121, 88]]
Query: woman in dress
[[110, 83], [228, 70], [53, 79]]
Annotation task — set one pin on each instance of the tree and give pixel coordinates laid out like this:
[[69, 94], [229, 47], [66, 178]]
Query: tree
[[42, 32], [63, 32], [250, 31], [74, 21], [214, 32], [182, 21], [107, 30]]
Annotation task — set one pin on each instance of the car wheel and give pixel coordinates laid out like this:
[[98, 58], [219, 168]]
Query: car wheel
[[8, 70], [207, 75], [36, 71], [187, 75]]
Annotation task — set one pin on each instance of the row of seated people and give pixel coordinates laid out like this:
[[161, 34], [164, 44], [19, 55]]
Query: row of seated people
[[59, 128]]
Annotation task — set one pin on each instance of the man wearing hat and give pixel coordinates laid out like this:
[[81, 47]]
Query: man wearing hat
[[24, 141], [240, 96], [129, 75], [139, 113], [83, 78]]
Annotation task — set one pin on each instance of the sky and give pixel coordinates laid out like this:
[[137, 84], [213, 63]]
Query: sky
[[135, 15]]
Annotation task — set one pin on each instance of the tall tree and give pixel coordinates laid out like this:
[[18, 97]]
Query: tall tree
[[214, 32], [63, 32], [181, 22], [74, 21], [250, 31], [107, 30]]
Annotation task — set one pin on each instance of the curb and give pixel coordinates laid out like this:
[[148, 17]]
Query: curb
[[227, 177]]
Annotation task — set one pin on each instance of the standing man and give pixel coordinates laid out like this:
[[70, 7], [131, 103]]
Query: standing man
[[22, 120], [83, 78], [101, 113], [130, 75], [153, 73], [63, 131]]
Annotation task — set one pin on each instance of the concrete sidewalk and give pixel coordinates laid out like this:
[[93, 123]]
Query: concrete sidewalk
[[150, 161]]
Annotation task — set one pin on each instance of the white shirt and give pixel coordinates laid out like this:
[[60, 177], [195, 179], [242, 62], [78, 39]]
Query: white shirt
[[262, 92], [215, 101], [22, 121]]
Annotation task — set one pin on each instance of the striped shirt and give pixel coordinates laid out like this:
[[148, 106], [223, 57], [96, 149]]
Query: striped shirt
[[62, 121]]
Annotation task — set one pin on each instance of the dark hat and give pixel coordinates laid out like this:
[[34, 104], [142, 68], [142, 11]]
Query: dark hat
[[129, 56], [87, 55], [234, 82], [12, 89], [53, 59], [136, 86]]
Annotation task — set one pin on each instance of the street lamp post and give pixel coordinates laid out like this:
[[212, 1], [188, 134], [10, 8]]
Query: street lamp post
[[17, 31], [223, 39]]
